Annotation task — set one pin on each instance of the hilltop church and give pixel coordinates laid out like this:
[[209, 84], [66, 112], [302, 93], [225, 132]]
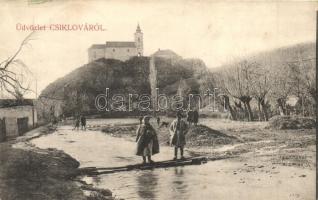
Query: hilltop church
[[118, 49]]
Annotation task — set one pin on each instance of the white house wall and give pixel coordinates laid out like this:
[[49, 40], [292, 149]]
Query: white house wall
[[11, 114]]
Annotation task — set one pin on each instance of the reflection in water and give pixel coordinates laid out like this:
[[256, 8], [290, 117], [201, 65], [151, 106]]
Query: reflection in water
[[179, 185], [151, 184], [147, 185]]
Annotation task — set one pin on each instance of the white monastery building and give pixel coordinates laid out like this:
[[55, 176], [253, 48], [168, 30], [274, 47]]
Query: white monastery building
[[120, 50]]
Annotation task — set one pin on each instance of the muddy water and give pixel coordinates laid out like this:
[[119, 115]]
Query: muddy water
[[215, 180]]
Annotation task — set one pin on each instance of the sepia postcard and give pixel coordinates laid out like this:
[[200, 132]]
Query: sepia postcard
[[158, 100]]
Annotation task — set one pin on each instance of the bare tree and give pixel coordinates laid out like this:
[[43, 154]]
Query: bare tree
[[309, 70], [14, 73], [281, 87], [220, 80], [260, 88], [303, 81], [238, 84], [227, 105]]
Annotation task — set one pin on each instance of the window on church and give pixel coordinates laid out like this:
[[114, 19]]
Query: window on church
[[138, 39], [127, 50], [113, 50]]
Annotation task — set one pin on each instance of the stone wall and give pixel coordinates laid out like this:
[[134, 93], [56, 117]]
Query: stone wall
[[94, 54], [120, 53]]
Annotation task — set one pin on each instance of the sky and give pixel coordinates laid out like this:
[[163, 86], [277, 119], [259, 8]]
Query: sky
[[214, 31]]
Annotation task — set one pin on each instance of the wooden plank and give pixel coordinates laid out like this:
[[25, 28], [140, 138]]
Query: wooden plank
[[93, 171]]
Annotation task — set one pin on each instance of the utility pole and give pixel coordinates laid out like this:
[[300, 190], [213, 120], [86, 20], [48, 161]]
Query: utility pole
[[1, 92], [36, 88], [302, 104]]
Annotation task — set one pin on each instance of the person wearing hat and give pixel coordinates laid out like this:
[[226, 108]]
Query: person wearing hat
[[178, 129], [147, 140]]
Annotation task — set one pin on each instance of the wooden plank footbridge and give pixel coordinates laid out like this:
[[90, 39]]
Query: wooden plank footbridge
[[94, 171]]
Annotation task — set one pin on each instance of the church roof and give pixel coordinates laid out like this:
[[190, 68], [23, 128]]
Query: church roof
[[138, 30], [120, 44], [98, 46]]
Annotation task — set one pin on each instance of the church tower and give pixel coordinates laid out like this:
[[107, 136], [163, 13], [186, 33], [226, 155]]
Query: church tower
[[139, 41]]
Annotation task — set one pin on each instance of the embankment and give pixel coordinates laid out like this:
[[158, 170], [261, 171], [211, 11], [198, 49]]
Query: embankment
[[28, 172]]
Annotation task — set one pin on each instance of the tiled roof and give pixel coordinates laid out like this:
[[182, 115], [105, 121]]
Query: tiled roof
[[165, 52], [120, 44], [98, 46], [13, 102]]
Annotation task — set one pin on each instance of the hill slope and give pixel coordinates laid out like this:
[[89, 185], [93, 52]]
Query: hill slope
[[275, 58], [78, 89]]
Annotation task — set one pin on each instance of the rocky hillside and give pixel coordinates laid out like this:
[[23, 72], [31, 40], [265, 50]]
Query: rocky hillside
[[78, 89]]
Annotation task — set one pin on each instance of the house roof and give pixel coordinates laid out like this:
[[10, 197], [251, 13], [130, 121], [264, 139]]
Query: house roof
[[292, 100], [98, 46], [120, 44], [165, 53], [4, 103]]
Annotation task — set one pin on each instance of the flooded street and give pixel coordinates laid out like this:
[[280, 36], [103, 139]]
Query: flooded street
[[225, 179]]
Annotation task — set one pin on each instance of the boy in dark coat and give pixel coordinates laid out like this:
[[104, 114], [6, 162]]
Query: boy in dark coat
[[178, 130], [83, 122], [147, 140]]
